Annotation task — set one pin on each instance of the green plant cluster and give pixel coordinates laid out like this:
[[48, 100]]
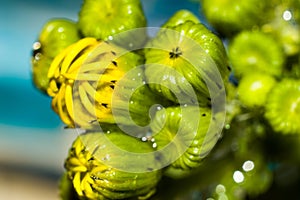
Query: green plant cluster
[[192, 143]]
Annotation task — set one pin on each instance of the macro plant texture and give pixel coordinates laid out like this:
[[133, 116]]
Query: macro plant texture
[[189, 110]]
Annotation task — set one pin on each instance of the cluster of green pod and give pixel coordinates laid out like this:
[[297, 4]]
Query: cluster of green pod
[[263, 69], [141, 121], [159, 111], [263, 55], [262, 41]]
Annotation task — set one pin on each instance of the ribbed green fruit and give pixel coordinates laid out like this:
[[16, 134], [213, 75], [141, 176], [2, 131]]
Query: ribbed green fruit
[[105, 20], [253, 89], [91, 167], [56, 35], [254, 51], [185, 135], [283, 107], [229, 17], [188, 63]]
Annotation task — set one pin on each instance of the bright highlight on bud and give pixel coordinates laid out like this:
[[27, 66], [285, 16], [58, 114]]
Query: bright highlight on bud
[[238, 177]]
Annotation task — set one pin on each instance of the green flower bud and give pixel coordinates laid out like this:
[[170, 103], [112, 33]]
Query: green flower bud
[[185, 135], [283, 107], [55, 35], [93, 178], [252, 51], [230, 17], [253, 89], [106, 19], [187, 60]]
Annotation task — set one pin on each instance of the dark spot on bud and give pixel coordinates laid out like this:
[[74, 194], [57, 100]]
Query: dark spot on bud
[[158, 157], [115, 63], [114, 53], [203, 115], [104, 104], [91, 159]]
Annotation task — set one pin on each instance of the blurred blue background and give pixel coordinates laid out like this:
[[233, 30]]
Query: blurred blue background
[[33, 142]]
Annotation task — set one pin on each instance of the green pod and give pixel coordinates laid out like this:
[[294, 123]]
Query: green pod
[[188, 62], [184, 135], [254, 51], [96, 177], [283, 107], [54, 36], [253, 89], [180, 17], [105, 20], [230, 17]]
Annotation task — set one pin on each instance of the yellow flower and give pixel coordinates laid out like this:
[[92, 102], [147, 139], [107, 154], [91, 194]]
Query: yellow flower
[[83, 78]]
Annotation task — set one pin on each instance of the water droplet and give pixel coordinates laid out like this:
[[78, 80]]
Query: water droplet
[[287, 15], [220, 189], [154, 145], [60, 29], [238, 177], [248, 166], [36, 45], [227, 126], [106, 158], [38, 56], [144, 139]]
